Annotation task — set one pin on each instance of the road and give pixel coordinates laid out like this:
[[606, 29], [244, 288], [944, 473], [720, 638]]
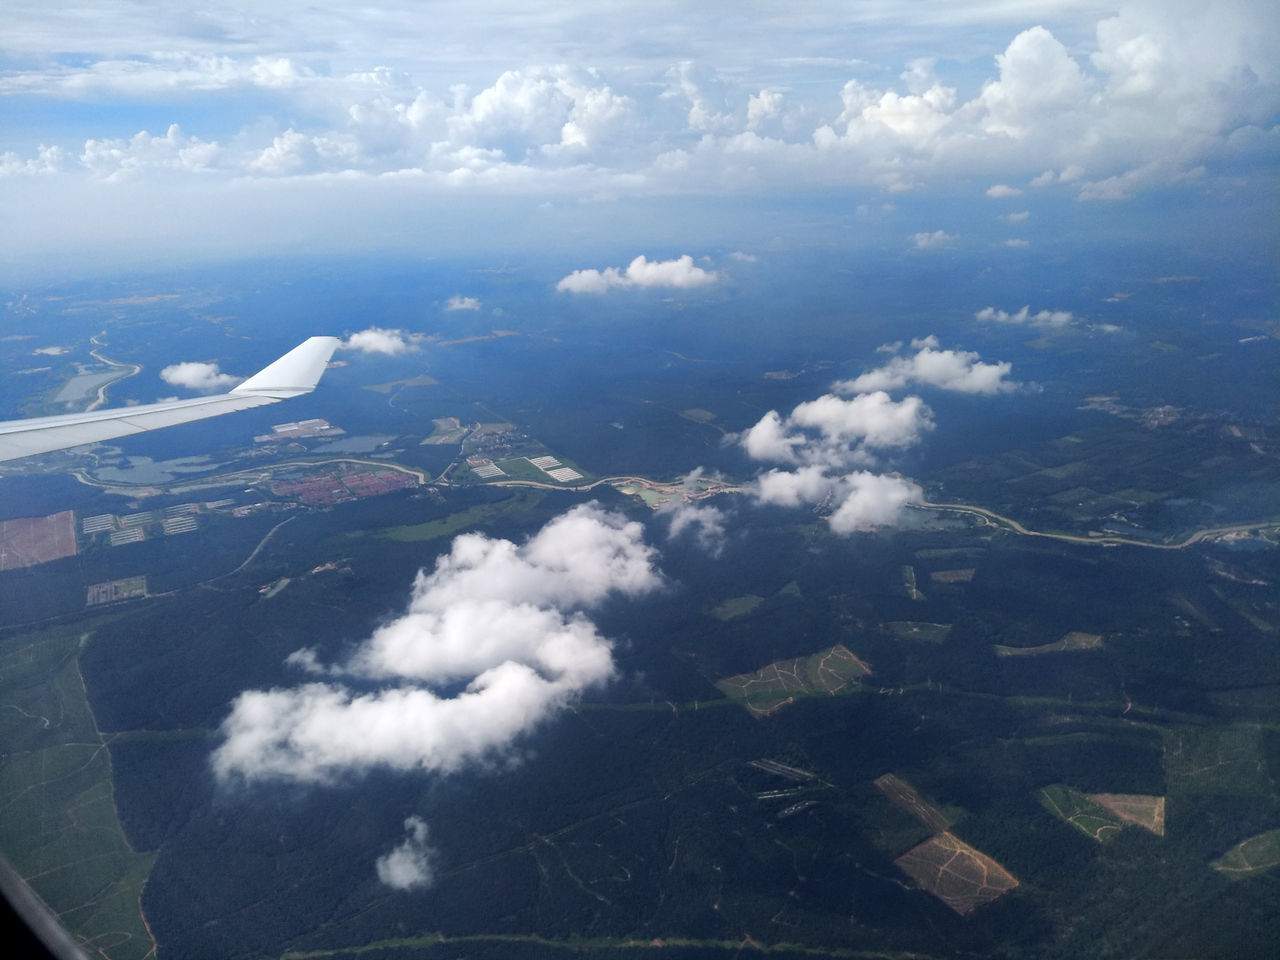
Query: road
[[1106, 540]]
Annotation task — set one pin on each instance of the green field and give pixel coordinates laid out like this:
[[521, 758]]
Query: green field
[[919, 630], [1217, 760], [831, 671], [1081, 812], [1075, 640], [736, 607], [520, 468], [1258, 853], [58, 825], [459, 522]]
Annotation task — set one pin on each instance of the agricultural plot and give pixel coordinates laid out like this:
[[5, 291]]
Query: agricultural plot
[[1258, 853], [446, 430], [1144, 810], [29, 541], [112, 590], [831, 671], [909, 583], [959, 875], [1077, 809], [1075, 640], [1216, 760], [904, 796], [919, 630], [736, 607], [59, 830], [963, 575]]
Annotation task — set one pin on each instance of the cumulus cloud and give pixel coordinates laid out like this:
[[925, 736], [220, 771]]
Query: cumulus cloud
[[928, 241], [409, 864], [380, 340], [1045, 318], [680, 274], [822, 441], [504, 622], [830, 444], [461, 303], [859, 500], [1019, 216], [198, 376], [706, 523], [1017, 242], [962, 371], [999, 191]]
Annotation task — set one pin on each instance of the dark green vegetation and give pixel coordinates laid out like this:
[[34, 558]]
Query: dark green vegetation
[[642, 814], [1079, 811], [58, 825], [641, 817]]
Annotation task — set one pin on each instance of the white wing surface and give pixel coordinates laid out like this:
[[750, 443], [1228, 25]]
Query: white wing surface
[[297, 372]]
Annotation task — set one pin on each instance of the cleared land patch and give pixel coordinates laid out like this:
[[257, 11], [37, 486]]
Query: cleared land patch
[[919, 630], [909, 582], [1138, 808], [58, 824], [1087, 816], [904, 796], [113, 590], [963, 575], [698, 415], [1216, 760], [1258, 853], [831, 671], [446, 430], [959, 875], [1075, 640], [736, 607], [419, 381], [28, 541]]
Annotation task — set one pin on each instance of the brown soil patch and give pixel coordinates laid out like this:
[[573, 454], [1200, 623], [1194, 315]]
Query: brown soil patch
[[1144, 810], [959, 875], [32, 540]]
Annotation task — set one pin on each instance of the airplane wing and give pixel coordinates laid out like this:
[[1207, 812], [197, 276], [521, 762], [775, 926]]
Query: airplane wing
[[296, 373]]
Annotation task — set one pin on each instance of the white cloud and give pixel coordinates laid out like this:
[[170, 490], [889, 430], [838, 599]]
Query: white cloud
[[380, 340], [962, 371], [1039, 83], [705, 522], [1044, 318], [505, 621], [825, 440], [409, 864], [680, 274], [145, 154], [999, 191], [198, 376], [461, 303], [743, 257], [858, 500], [928, 241], [1157, 96], [48, 160], [1020, 216], [829, 443], [1017, 242]]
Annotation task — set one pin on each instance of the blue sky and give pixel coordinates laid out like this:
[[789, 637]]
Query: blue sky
[[139, 133]]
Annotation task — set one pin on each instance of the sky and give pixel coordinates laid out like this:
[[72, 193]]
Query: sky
[[136, 133]]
